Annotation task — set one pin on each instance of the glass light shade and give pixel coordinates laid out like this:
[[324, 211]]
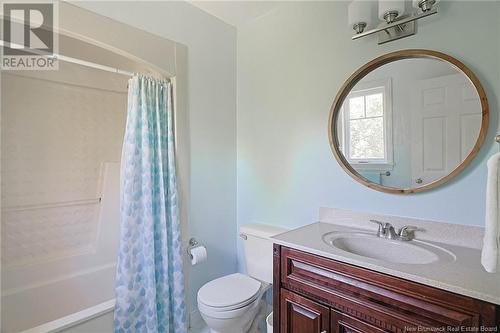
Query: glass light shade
[[360, 11], [385, 6], [430, 5]]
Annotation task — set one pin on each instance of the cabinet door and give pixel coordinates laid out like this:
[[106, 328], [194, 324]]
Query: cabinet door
[[342, 323], [301, 315]]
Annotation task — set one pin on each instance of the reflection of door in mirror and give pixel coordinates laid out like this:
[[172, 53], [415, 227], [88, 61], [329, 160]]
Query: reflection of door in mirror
[[445, 115]]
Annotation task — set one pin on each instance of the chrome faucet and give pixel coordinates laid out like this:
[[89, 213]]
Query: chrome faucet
[[386, 230]]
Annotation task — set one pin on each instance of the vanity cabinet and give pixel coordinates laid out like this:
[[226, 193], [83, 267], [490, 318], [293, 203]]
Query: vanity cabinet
[[313, 294]]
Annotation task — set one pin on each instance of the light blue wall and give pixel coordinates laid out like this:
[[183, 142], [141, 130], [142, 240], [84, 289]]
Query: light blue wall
[[212, 119], [291, 64]]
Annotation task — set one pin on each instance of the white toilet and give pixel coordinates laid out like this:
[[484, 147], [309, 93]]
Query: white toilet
[[230, 304]]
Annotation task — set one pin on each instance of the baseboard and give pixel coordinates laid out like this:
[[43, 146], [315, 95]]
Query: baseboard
[[195, 320]]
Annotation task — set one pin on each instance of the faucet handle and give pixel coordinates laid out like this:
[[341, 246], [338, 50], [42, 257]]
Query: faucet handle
[[378, 222], [406, 232], [381, 226]]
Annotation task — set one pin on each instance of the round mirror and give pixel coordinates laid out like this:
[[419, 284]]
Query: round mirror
[[408, 121]]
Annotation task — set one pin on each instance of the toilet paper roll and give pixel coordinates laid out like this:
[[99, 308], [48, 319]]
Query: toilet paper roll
[[198, 254]]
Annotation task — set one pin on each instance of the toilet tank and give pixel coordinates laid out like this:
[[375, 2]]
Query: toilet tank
[[258, 247]]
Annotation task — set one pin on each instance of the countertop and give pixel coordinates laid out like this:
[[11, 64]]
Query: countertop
[[463, 276]]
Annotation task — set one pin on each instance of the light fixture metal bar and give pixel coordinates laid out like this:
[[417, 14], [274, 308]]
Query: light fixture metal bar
[[396, 23]]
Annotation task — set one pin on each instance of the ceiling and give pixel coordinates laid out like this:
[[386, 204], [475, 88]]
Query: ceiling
[[236, 12]]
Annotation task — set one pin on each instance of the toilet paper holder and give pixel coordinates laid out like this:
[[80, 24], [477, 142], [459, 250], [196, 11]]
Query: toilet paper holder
[[191, 245]]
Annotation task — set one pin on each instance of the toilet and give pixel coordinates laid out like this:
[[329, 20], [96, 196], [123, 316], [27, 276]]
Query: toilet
[[230, 303]]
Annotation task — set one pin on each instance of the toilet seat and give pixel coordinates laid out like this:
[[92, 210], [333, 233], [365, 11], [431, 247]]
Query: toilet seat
[[225, 314], [228, 293]]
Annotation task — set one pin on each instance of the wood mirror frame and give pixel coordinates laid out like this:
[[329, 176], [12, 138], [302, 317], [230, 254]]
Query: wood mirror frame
[[378, 62]]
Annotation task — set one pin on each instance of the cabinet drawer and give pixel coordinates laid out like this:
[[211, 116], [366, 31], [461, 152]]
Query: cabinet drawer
[[386, 302], [342, 323]]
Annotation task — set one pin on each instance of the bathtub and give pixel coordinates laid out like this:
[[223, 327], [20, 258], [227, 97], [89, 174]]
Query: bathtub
[[96, 319], [54, 305]]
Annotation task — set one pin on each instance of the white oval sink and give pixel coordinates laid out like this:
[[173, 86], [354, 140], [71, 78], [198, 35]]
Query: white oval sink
[[413, 252]]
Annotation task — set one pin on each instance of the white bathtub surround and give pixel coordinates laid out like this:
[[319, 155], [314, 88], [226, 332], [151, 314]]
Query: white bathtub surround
[[490, 257], [464, 275], [65, 279], [72, 278]]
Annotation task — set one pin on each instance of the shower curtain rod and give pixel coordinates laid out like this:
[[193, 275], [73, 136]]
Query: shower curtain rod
[[74, 60], [90, 64]]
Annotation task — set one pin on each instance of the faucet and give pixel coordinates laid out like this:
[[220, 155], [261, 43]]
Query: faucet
[[387, 231]]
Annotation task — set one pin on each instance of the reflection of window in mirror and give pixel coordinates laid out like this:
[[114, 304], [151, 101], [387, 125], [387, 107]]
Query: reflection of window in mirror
[[366, 126]]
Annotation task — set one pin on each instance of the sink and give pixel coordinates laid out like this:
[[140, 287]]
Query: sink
[[414, 252]]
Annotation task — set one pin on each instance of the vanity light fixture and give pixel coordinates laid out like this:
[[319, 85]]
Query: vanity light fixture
[[360, 15], [424, 5], [396, 23], [390, 10]]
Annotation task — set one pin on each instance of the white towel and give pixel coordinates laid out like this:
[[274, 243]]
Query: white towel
[[490, 257]]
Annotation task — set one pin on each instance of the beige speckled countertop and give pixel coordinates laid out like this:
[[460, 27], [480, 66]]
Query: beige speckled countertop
[[463, 276]]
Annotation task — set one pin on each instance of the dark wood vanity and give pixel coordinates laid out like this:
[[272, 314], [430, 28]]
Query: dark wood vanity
[[313, 294]]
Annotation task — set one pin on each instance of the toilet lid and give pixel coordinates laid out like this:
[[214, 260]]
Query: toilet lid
[[229, 290]]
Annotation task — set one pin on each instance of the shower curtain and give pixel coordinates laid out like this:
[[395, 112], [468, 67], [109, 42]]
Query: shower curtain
[[149, 283]]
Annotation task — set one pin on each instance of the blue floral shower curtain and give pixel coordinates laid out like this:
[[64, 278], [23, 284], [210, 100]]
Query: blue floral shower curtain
[[149, 281]]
